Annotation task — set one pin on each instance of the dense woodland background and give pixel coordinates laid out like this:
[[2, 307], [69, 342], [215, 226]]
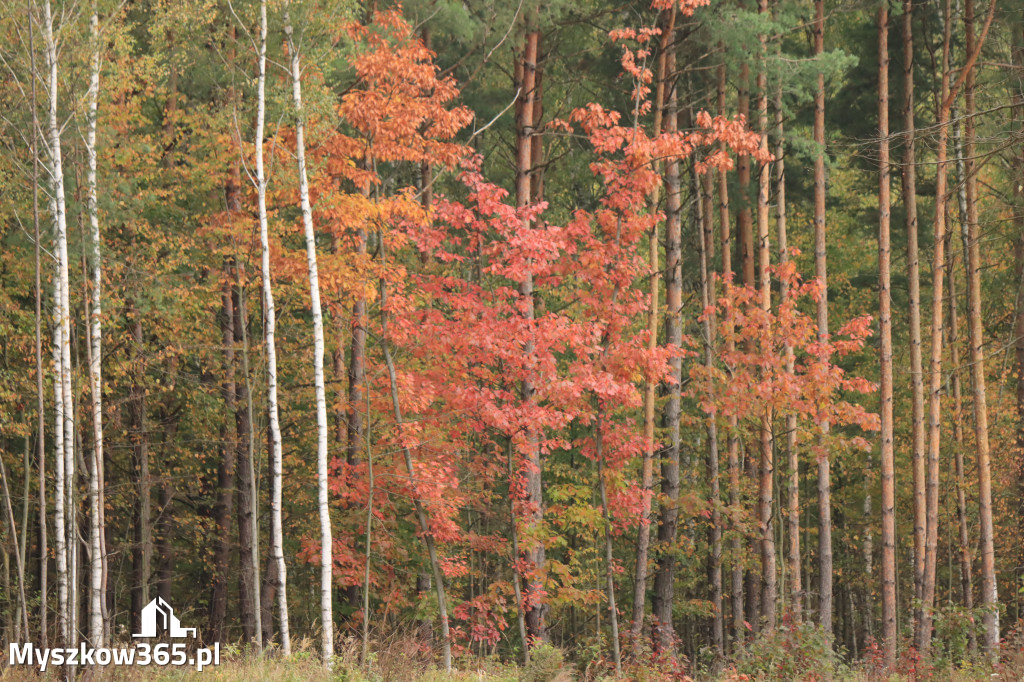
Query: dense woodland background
[[684, 337]]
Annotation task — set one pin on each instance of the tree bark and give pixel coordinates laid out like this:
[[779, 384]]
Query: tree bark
[[95, 350], [825, 573], [248, 535], [908, 177], [44, 553], [225, 473], [953, 341], [647, 474], [707, 290], [664, 587], [536, 609], [975, 332], [269, 333], [792, 454], [885, 360], [326, 561], [766, 488], [142, 540], [65, 412], [733, 444]]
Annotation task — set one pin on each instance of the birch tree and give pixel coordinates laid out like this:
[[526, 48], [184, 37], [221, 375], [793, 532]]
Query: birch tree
[[95, 342], [270, 326], [64, 403], [326, 562]]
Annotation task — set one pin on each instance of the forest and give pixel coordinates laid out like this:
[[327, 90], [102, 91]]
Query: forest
[[609, 339]]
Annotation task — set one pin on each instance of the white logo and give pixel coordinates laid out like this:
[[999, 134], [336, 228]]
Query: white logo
[[158, 615]]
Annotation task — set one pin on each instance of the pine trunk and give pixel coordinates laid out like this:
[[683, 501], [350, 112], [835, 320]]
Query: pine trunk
[[975, 333], [885, 359], [908, 176], [535, 609], [766, 491]]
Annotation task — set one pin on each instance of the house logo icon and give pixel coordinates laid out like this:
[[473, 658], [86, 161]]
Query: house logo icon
[[158, 615]]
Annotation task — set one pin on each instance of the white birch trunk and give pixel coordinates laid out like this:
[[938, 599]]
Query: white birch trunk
[[277, 534], [326, 562], [60, 534], [62, 319], [96, 545]]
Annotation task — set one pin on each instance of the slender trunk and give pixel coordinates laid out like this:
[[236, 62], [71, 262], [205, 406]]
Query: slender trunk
[[975, 333], [421, 512], [821, 273], [766, 488], [62, 319], [1017, 57], [707, 290], [96, 504], [364, 652], [326, 561], [885, 359], [225, 469], [270, 327], [19, 555], [989, 600], [908, 177], [792, 455], [664, 581], [536, 609], [733, 445], [517, 577], [609, 562], [59, 502], [44, 553], [141, 533], [248, 533], [647, 475], [953, 341]]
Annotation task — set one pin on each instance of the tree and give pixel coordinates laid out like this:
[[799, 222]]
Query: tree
[[885, 359], [326, 544]]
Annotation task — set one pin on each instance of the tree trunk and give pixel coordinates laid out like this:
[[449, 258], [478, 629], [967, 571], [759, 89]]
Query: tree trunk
[[142, 541], [65, 412], [908, 177], [821, 273], [326, 561], [766, 489], [664, 587], [609, 561], [270, 326], [792, 455], [248, 534], [953, 341], [647, 475], [1017, 57], [225, 504], [707, 289], [534, 554], [421, 512], [44, 553], [733, 444], [885, 359], [95, 351], [975, 332]]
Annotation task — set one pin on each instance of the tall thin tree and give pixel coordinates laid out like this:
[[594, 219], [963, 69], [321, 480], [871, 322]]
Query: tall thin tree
[[326, 561], [885, 359]]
